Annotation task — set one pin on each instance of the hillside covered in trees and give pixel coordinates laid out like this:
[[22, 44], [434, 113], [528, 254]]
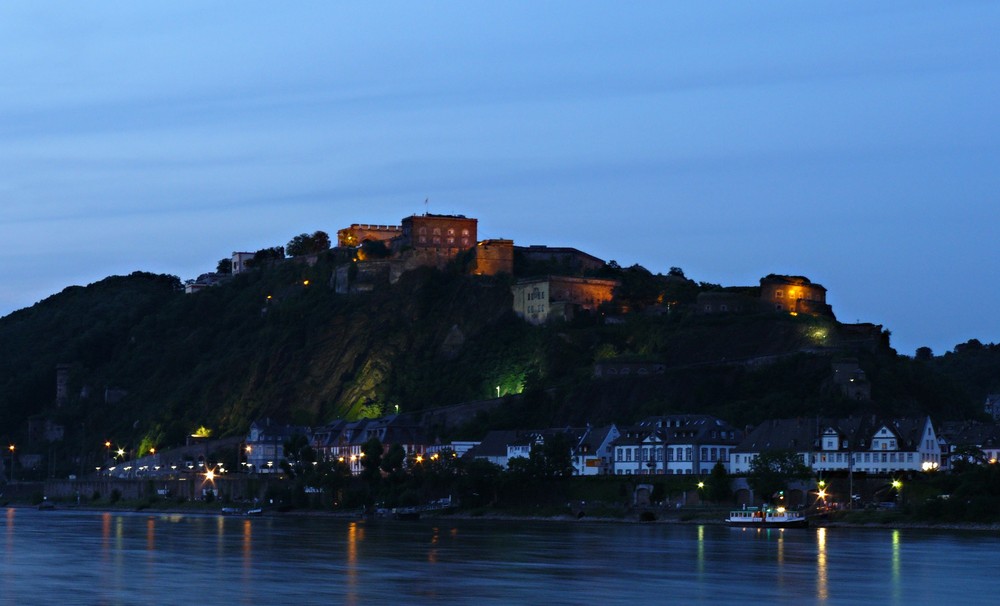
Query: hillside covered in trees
[[149, 364]]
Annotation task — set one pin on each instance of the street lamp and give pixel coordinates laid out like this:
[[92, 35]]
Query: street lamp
[[11, 448], [821, 492], [899, 489]]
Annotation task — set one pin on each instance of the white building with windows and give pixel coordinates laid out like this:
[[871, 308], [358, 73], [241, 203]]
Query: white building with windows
[[265, 444], [594, 452], [862, 444], [674, 445]]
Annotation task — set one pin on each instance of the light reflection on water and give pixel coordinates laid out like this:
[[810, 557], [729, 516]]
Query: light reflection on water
[[122, 558]]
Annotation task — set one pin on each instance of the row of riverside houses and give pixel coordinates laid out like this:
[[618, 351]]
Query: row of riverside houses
[[339, 441], [662, 445]]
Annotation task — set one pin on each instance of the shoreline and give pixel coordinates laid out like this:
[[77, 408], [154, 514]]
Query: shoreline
[[508, 517]]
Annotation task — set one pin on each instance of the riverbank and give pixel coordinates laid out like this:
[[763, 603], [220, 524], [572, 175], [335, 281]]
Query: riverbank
[[864, 520]]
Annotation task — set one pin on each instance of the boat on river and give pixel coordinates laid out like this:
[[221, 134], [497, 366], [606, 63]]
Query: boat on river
[[406, 513], [767, 517]]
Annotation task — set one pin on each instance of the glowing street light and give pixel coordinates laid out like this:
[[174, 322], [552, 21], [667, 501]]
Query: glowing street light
[[12, 448]]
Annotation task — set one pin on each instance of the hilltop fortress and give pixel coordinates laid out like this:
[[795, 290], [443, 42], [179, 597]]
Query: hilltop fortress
[[437, 240], [555, 283]]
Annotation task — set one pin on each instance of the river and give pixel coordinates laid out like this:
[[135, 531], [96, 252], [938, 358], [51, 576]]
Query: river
[[80, 557]]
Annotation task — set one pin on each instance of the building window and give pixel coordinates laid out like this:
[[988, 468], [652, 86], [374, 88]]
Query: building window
[[779, 294]]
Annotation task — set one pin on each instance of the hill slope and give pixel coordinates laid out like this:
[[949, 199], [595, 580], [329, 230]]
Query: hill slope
[[279, 342]]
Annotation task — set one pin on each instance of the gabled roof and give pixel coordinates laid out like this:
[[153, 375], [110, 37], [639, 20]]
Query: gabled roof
[[494, 444], [691, 428], [593, 438], [804, 434], [968, 433], [796, 435], [269, 431], [909, 431]]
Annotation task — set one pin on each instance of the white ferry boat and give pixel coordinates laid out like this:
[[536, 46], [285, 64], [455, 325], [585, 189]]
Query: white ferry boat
[[767, 517]]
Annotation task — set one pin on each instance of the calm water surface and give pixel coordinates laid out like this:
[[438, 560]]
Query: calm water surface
[[123, 558]]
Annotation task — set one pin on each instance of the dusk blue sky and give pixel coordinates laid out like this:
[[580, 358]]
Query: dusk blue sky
[[856, 143]]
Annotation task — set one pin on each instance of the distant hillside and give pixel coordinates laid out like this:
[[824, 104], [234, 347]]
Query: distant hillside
[[149, 364]]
